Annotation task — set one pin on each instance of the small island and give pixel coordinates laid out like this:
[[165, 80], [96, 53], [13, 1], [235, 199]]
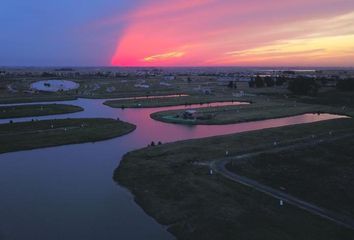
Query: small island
[[18, 111], [261, 108], [47, 133]]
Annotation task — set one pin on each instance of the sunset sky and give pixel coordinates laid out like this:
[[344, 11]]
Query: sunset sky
[[177, 33]]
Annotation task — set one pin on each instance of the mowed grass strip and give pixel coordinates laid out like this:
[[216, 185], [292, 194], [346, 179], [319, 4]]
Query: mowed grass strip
[[18, 111], [165, 102], [38, 134]]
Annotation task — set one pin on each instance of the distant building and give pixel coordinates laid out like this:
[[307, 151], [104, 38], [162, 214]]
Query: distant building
[[189, 114], [165, 84], [244, 79], [141, 86], [225, 80], [169, 78]]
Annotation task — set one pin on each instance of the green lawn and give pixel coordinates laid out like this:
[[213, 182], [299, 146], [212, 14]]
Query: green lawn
[[36, 110], [38, 134]]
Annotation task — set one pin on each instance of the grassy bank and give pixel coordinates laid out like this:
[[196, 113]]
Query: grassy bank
[[165, 102], [50, 97], [36, 98], [321, 174], [260, 109], [38, 134], [37, 110], [173, 185]]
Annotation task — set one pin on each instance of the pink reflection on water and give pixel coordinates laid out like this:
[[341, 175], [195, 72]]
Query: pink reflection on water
[[151, 130]]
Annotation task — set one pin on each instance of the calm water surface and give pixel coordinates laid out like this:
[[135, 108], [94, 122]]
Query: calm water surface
[[67, 192]]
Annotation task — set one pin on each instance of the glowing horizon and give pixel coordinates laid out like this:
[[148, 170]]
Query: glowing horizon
[[225, 33]]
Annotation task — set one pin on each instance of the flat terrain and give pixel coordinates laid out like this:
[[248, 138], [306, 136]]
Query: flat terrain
[[36, 110], [331, 98], [38, 134], [173, 184]]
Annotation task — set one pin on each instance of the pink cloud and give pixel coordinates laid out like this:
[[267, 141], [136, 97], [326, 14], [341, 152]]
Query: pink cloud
[[205, 30]]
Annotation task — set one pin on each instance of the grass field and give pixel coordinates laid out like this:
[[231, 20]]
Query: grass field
[[331, 98], [321, 174], [36, 110], [38, 134], [164, 102], [171, 183]]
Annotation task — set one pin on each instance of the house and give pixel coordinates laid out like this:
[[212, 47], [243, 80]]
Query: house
[[189, 114], [141, 86]]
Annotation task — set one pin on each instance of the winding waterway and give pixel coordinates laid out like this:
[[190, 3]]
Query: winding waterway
[[67, 192]]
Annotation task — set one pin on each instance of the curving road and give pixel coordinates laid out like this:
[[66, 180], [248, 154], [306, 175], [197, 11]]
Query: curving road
[[220, 167]]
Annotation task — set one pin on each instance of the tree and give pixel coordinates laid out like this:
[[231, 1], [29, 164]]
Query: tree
[[46, 74], [279, 81], [304, 86], [259, 82], [269, 81]]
